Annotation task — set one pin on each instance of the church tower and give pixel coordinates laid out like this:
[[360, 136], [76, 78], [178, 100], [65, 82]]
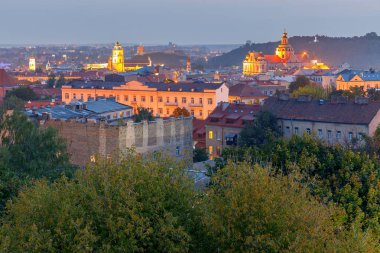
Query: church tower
[[117, 63], [284, 50], [188, 64], [32, 64]]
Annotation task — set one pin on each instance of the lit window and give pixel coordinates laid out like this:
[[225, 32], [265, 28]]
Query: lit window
[[184, 100], [201, 101], [192, 100], [93, 158], [126, 98], [210, 134], [160, 99], [209, 101], [210, 150], [121, 114], [142, 98]]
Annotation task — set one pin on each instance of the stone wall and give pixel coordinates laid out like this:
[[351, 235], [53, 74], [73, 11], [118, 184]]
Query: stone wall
[[86, 140]]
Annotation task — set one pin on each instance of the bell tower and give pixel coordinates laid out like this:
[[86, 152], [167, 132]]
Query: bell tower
[[118, 58], [284, 50]]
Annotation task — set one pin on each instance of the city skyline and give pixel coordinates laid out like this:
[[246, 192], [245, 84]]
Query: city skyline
[[183, 22]]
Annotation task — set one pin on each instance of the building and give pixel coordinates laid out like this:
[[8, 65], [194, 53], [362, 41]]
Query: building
[[338, 121], [224, 124], [200, 99], [188, 65], [32, 64], [355, 78], [7, 83], [116, 60], [140, 50], [285, 58], [86, 140], [244, 93]]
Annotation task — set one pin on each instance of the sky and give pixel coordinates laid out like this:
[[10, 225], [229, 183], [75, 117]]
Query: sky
[[181, 21]]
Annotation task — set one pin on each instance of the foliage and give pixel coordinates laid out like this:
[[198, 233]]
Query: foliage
[[135, 205], [28, 152], [13, 103], [200, 155], [332, 173], [351, 93], [301, 81], [315, 90], [250, 211], [61, 81], [143, 114], [24, 92], [51, 80], [264, 129], [181, 112]]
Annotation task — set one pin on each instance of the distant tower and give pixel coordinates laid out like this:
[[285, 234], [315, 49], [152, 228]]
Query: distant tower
[[48, 66], [316, 39], [32, 64], [150, 62], [140, 50], [188, 64], [117, 58]]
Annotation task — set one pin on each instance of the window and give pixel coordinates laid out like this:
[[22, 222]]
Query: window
[[167, 99], [151, 99], [338, 135], [121, 115], [192, 112], [93, 158], [160, 110], [209, 101], [126, 98], [88, 96], [160, 99], [184, 100], [67, 96], [117, 98], [308, 131], [192, 100], [201, 101], [200, 113], [177, 151], [134, 99], [287, 130], [167, 111], [329, 134], [74, 95], [360, 136], [350, 136], [210, 150], [175, 100], [296, 130], [81, 96], [208, 112], [142, 98], [210, 134], [320, 133]]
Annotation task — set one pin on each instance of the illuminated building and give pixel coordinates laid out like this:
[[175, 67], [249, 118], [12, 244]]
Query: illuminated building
[[285, 58], [116, 62], [200, 99], [188, 65], [362, 79], [140, 50], [32, 64]]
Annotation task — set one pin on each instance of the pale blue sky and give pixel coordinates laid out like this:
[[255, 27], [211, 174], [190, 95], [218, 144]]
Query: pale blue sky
[[181, 21]]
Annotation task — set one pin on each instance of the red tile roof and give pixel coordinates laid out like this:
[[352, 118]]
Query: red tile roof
[[245, 90], [6, 80]]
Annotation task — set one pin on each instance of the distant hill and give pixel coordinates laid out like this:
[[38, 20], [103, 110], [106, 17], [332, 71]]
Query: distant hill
[[359, 52]]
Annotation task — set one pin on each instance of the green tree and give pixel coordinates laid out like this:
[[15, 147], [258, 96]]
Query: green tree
[[315, 90], [300, 81], [248, 210], [143, 114], [264, 129], [13, 103], [28, 152], [61, 81], [24, 92], [200, 155], [135, 205], [51, 80], [181, 112]]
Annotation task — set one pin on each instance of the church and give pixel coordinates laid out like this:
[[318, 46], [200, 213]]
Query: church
[[285, 58]]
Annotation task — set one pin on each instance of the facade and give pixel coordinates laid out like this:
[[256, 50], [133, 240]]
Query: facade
[[354, 78], [223, 126], [285, 58], [32, 64], [336, 122], [200, 99], [116, 61], [87, 140], [244, 93]]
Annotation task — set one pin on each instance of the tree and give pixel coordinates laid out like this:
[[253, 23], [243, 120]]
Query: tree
[[200, 155], [248, 210], [13, 103], [24, 92], [28, 152], [300, 81], [261, 131], [135, 205], [61, 81], [143, 114], [51, 80], [316, 91], [181, 112]]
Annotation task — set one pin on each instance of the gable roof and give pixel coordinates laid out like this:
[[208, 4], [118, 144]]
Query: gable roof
[[244, 90], [344, 113]]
